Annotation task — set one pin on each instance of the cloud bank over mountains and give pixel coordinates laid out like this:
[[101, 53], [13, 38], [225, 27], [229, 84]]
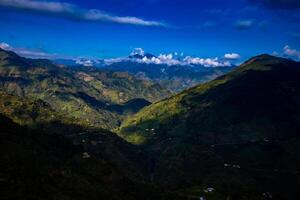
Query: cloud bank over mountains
[[138, 55]]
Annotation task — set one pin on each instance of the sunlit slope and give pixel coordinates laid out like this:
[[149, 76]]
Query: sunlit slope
[[260, 99], [86, 94]]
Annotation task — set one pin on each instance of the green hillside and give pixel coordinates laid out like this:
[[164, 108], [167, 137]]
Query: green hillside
[[52, 157], [26, 111], [39, 116], [238, 134], [86, 94], [246, 104], [236, 137]]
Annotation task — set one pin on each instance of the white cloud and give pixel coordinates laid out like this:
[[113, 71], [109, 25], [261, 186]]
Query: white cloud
[[54, 7], [170, 60], [72, 11], [206, 62], [110, 61], [31, 53], [288, 51], [166, 59], [162, 59], [97, 15], [86, 63], [137, 51], [232, 56], [4, 46]]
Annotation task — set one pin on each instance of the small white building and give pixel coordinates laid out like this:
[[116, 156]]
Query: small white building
[[209, 190], [85, 155]]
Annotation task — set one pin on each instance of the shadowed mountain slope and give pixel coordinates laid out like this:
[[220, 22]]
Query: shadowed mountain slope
[[37, 165]]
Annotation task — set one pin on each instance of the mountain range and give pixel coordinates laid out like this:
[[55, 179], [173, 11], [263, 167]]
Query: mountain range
[[173, 73], [95, 97], [84, 132]]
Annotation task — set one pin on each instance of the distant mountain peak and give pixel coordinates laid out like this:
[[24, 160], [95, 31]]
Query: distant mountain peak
[[266, 58], [266, 62], [139, 53]]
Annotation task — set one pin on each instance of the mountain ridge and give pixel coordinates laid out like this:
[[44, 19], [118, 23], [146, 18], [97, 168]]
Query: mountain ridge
[[169, 70], [181, 98], [236, 136], [242, 127], [84, 93]]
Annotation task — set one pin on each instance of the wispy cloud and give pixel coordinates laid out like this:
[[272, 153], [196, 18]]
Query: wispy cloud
[[206, 62], [244, 24], [87, 62], [232, 56], [72, 11], [289, 52], [4, 46], [31, 53], [137, 51]]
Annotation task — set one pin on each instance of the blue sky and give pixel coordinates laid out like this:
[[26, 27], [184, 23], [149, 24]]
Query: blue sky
[[112, 28]]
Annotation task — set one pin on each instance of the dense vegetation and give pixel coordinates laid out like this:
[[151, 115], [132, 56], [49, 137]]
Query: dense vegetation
[[238, 133], [36, 165], [236, 137], [246, 104], [87, 94], [39, 116]]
